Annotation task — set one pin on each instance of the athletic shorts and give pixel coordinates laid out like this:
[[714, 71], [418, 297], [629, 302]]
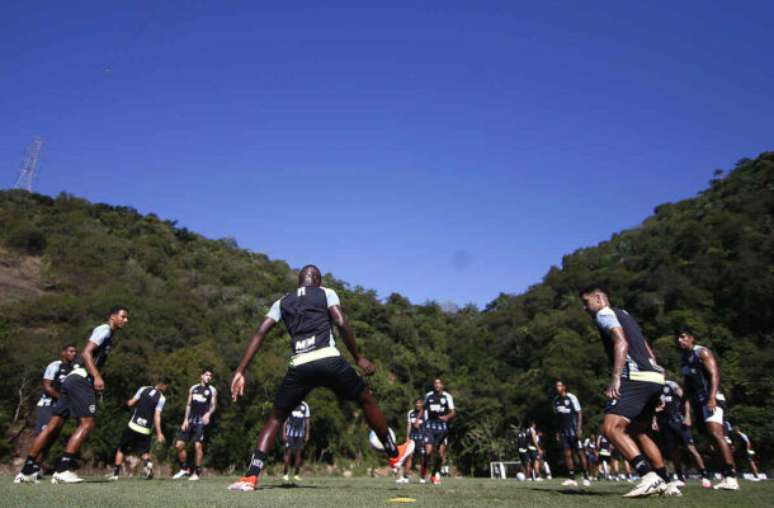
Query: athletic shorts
[[703, 416], [194, 433], [569, 440], [675, 433], [638, 400], [524, 457], [591, 458], [617, 455], [604, 457], [333, 373], [435, 437], [295, 443], [43, 415], [77, 398], [533, 454], [135, 442]]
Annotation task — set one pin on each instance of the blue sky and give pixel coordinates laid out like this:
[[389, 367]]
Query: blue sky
[[443, 150]]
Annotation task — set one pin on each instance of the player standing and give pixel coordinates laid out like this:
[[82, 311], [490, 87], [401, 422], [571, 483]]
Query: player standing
[[534, 451], [749, 452], [522, 446], [295, 433], [567, 408], [202, 403], [439, 411], [415, 430]]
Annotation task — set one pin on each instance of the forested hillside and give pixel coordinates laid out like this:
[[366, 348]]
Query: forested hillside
[[707, 262]]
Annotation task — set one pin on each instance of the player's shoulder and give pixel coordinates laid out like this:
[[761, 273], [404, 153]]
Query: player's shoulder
[[54, 365], [428, 394], [194, 387], [103, 328]]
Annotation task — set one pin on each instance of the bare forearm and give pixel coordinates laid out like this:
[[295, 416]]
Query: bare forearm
[[349, 339], [90, 365], [621, 348], [252, 349]]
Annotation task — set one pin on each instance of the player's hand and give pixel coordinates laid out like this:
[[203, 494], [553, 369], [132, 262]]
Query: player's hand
[[366, 366], [614, 389], [557, 437], [184, 426], [237, 386], [206, 419], [654, 426], [160, 438], [712, 404]]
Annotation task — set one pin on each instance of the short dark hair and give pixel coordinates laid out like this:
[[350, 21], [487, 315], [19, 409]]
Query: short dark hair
[[686, 330], [69, 345], [592, 288], [115, 309], [164, 380], [419, 399], [207, 369]]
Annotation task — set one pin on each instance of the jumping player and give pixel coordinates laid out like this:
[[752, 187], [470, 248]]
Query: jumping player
[[567, 409], [309, 314], [148, 403], [295, 434], [78, 399], [202, 403], [634, 392], [702, 384], [439, 411], [415, 430]]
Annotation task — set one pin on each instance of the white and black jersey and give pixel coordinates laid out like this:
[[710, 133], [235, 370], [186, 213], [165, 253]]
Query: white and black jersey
[[55, 372], [696, 377], [436, 406], [523, 440], [566, 409], [639, 366], [102, 337], [305, 314], [149, 401], [297, 420], [672, 403], [416, 422], [202, 397]]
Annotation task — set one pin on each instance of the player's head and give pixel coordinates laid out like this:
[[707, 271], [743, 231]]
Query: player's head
[[206, 377], [438, 385], [532, 424], [309, 276], [163, 383], [685, 339], [594, 299], [560, 388], [419, 404], [68, 353], [118, 316]]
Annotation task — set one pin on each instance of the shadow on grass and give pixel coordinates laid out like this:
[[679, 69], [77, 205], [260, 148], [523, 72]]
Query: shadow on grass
[[571, 492], [291, 486]]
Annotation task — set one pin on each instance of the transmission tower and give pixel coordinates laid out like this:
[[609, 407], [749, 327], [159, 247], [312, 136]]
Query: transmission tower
[[29, 168]]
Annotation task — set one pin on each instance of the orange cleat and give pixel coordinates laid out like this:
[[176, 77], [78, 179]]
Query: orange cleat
[[404, 451], [245, 484]]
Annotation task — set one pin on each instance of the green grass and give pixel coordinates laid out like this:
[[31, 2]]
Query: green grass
[[357, 492]]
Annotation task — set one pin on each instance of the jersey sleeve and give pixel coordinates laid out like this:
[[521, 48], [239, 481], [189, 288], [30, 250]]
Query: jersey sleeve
[[575, 402], [214, 392], [450, 400], [138, 393], [99, 334], [331, 297], [160, 403], [408, 416], [307, 412], [275, 312], [607, 320], [51, 370]]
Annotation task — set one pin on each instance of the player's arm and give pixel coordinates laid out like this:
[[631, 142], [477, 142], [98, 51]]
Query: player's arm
[[88, 359], [409, 425], [337, 314], [213, 406], [307, 429], [184, 425], [708, 359], [238, 381], [157, 423], [48, 380], [579, 423], [687, 416], [285, 431], [620, 350]]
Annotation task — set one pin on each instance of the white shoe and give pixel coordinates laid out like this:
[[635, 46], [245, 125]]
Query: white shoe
[[26, 478], [286, 478], [538, 479], [672, 489], [586, 482], [403, 480], [679, 483], [706, 483], [422, 481], [181, 474], [194, 477], [66, 477], [112, 477], [651, 484], [755, 479], [727, 483], [569, 482]]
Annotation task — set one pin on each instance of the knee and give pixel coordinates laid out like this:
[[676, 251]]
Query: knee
[[198, 446], [367, 398], [180, 446], [87, 424]]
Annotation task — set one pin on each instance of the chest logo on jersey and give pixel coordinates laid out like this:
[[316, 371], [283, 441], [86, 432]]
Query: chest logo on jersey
[[199, 397], [436, 408]]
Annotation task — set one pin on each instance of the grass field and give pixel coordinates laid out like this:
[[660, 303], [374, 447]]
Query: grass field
[[357, 492]]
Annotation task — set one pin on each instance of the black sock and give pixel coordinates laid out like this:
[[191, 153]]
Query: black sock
[[389, 445], [662, 472], [572, 474], [257, 462], [585, 475], [640, 464], [703, 473], [29, 466], [198, 470], [729, 471], [65, 463], [116, 469]]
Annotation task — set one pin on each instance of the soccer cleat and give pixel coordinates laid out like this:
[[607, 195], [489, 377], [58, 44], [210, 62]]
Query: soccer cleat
[[112, 477], [538, 479], [296, 478], [402, 480], [672, 489], [147, 471], [245, 484], [678, 483], [436, 479], [193, 478], [181, 474], [569, 482], [66, 477], [422, 481], [26, 478], [404, 451], [651, 484], [286, 478], [727, 483], [706, 483], [586, 482]]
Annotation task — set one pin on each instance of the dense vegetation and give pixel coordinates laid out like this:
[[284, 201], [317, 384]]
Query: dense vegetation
[[707, 262]]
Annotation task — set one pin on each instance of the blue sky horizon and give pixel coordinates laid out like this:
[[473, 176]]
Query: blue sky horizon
[[445, 151]]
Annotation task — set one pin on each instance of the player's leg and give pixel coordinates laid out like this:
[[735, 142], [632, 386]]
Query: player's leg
[[286, 461], [568, 442], [298, 461], [182, 455], [198, 459], [583, 461], [41, 442], [717, 435], [118, 460], [426, 457], [442, 455]]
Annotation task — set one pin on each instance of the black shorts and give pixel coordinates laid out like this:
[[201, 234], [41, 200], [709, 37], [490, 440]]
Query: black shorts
[[77, 398], [605, 458], [533, 454], [333, 373], [568, 438], [675, 434], [617, 455], [42, 416], [524, 457], [194, 433], [638, 400], [295, 443], [134, 442], [436, 437]]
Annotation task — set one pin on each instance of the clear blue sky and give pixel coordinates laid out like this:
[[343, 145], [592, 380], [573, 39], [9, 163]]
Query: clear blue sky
[[443, 150]]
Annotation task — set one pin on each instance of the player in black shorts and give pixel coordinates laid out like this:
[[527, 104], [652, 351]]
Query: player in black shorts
[[309, 314], [748, 452], [522, 443], [53, 376], [702, 395], [148, 403], [534, 450], [439, 411], [604, 451], [202, 403], [568, 412], [295, 434], [634, 392], [415, 430], [78, 399]]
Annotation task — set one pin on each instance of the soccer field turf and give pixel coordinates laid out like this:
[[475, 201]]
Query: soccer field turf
[[356, 492]]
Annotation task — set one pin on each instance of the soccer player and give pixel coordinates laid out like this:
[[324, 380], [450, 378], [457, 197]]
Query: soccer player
[[415, 430], [605, 456], [534, 450], [309, 314], [702, 384], [439, 411], [592, 454], [78, 399], [749, 452], [295, 434], [567, 409], [522, 444], [202, 403], [53, 376], [634, 392], [675, 429], [148, 403]]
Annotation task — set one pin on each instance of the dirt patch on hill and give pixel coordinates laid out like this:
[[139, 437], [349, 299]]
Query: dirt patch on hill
[[21, 277]]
